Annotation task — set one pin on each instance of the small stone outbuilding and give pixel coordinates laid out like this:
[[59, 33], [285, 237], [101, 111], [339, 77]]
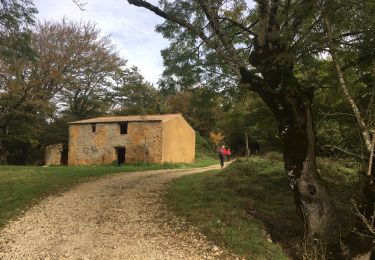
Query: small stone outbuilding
[[121, 139], [56, 154]]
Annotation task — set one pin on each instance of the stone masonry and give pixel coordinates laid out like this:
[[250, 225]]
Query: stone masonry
[[155, 139], [54, 154]]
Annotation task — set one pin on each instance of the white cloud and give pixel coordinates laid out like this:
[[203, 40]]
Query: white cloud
[[131, 29]]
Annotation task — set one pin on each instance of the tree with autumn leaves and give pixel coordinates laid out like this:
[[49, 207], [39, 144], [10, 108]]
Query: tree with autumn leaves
[[74, 73]]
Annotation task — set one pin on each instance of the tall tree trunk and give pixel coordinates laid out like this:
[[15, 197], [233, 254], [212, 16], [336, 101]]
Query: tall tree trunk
[[291, 105], [247, 144], [342, 82], [295, 125], [3, 144], [298, 141], [366, 205], [281, 92], [370, 161]]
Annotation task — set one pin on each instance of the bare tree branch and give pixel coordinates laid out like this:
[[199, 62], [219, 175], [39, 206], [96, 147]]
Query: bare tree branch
[[227, 51], [173, 18], [369, 223], [81, 5], [194, 30], [241, 26], [216, 27], [371, 155], [343, 151], [342, 81]]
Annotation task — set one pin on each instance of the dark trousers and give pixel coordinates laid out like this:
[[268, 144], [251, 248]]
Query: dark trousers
[[221, 160]]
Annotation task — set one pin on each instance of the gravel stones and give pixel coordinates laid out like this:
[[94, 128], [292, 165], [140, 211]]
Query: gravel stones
[[118, 217]]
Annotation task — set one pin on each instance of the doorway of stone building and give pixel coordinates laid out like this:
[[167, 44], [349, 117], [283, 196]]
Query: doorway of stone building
[[121, 151]]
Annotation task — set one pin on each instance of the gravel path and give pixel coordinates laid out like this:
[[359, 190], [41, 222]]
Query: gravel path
[[117, 217]]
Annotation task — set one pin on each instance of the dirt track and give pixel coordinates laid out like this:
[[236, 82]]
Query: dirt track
[[117, 217]]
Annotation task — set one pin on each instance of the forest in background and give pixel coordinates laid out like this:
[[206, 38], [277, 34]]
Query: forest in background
[[260, 74], [66, 71]]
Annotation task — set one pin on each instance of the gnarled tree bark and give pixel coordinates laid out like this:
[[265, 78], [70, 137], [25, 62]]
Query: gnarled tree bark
[[281, 92], [292, 111]]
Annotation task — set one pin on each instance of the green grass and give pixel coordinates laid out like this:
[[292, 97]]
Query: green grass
[[23, 186], [237, 207], [209, 201]]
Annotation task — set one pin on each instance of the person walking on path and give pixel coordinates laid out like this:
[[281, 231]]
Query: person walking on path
[[228, 154], [222, 154]]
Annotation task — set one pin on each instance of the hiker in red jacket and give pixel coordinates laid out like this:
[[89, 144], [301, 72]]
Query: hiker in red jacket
[[222, 153], [228, 154]]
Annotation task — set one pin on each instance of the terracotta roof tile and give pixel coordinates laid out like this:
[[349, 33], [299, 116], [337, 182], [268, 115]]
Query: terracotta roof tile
[[135, 118]]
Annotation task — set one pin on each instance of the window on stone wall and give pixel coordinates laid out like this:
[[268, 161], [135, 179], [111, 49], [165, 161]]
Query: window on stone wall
[[123, 128], [93, 128]]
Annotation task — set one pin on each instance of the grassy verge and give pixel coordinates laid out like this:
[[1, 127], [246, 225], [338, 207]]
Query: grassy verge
[[209, 202], [246, 204], [22, 186]]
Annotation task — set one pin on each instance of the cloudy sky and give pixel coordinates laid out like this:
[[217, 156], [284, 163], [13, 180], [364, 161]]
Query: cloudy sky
[[132, 29]]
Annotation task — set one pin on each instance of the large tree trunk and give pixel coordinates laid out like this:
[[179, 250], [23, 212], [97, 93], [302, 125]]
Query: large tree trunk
[[298, 141], [291, 105], [295, 125], [247, 144], [276, 85], [3, 144]]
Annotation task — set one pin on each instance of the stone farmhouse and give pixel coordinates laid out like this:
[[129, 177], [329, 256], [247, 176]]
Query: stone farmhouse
[[122, 139]]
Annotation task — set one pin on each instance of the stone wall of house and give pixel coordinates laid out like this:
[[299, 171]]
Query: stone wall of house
[[143, 142], [178, 141], [54, 153]]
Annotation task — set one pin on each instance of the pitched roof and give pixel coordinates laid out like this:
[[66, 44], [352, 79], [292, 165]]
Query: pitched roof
[[135, 118]]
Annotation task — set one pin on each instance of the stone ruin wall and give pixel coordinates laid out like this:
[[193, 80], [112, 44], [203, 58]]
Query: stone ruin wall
[[53, 155]]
